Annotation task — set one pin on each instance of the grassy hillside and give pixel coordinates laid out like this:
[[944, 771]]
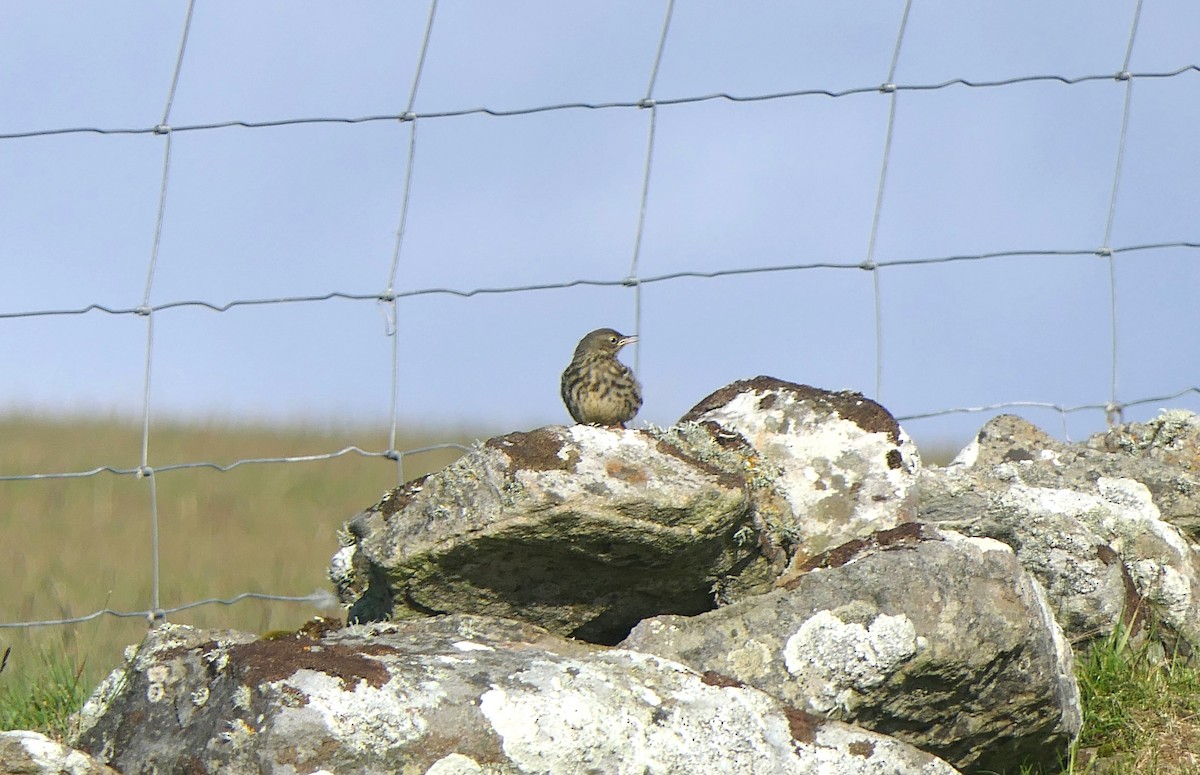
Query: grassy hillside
[[73, 546]]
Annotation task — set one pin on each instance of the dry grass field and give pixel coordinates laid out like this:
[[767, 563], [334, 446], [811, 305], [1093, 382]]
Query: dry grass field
[[73, 546]]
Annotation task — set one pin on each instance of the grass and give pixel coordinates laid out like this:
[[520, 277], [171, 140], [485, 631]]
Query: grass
[[1141, 710], [73, 546], [44, 699]]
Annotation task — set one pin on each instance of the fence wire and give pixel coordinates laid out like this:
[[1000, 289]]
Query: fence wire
[[633, 279], [661, 102]]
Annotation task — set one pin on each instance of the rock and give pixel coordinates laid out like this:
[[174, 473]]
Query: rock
[[586, 531], [453, 695], [1164, 455], [581, 530], [1079, 519], [840, 461], [32, 753], [940, 640]]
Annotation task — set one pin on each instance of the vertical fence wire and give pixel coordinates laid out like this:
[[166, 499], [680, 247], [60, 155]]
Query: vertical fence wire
[[1114, 413], [389, 296], [145, 470], [633, 279], [888, 88]]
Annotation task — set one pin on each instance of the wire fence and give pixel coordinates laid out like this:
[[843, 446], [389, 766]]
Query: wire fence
[[651, 105]]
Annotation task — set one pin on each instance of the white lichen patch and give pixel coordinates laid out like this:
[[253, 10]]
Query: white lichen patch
[[1064, 657], [1051, 456], [467, 645], [1122, 514], [341, 566], [242, 697], [361, 718], [49, 756], [982, 543], [827, 467], [1113, 522], [167, 637], [752, 658], [631, 721], [455, 764], [627, 462], [1166, 587], [877, 754], [218, 658], [838, 661], [97, 704], [157, 679]]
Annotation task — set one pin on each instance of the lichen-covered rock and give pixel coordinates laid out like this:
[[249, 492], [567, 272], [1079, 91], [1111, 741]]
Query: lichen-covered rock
[[581, 530], [840, 462], [32, 753], [1164, 455], [1080, 519], [941, 640], [449, 696]]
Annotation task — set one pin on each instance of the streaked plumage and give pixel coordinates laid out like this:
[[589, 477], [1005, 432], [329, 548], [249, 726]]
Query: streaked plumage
[[596, 387]]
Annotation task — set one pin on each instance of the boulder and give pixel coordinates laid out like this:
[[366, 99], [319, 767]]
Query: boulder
[[32, 753], [940, 640], [1164, 455], [1080, 519], [453, 695], [581, 530], [586, 531], [840, 462]]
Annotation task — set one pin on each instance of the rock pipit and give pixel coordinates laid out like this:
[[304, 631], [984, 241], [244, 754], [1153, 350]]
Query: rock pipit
[[597, 388]]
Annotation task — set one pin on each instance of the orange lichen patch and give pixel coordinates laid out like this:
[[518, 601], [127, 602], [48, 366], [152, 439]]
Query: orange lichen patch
[[626, 473]]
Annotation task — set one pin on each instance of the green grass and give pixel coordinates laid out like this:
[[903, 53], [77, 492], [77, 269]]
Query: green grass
[[1141, 710], [44, 699]]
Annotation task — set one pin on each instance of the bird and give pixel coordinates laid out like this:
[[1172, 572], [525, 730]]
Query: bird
[[596, 387]]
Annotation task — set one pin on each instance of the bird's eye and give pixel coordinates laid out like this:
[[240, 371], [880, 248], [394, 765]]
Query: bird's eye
[[612, 339]]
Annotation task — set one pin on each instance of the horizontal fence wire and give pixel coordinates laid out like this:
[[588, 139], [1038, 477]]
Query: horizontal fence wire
[[318, 598], [142, 471], [625, 282], [325, 599], [1062, 409], [641, 103]]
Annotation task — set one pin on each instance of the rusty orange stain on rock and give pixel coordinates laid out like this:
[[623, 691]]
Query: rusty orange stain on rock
[[626, 473]]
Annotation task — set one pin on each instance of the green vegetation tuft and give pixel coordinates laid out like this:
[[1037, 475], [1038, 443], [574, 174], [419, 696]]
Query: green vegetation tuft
[[43, 698], [1141, 710]]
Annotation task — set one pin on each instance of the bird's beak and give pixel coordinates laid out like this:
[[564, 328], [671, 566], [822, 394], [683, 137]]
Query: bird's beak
[[626, 340]]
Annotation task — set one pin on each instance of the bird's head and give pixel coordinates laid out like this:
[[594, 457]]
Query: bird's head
[[603, 341]]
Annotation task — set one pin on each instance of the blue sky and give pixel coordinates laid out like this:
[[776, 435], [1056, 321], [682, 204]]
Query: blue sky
[[550, 197]]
